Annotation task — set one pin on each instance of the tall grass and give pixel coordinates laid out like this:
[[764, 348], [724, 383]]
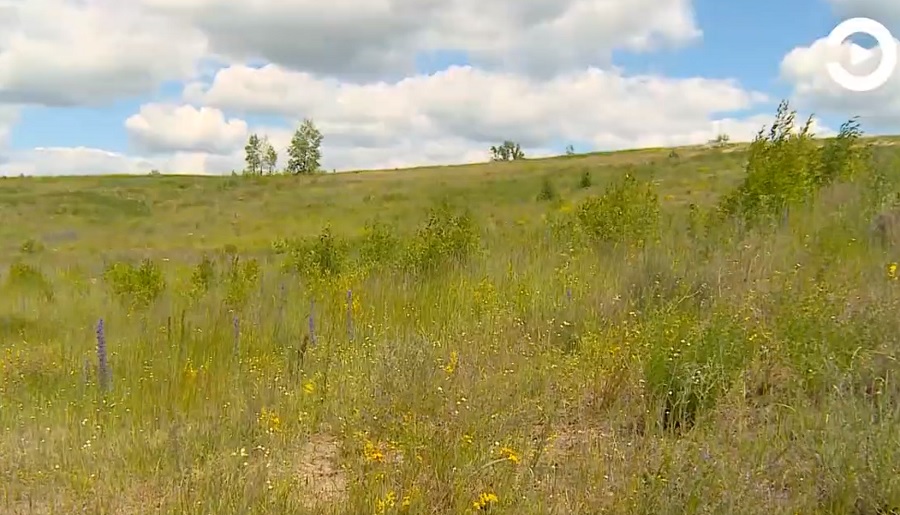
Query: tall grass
[[623, 355]]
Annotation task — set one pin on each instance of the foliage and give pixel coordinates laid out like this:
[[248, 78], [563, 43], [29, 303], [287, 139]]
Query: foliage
[[627, 212], [253, 156], [138, 286], [23, 277], [268, 157], [585, 181], [242, 276], [304, 152], [445, 238], [548, 190], [379, 245], [507, 151], [203, 277], [786, 167]]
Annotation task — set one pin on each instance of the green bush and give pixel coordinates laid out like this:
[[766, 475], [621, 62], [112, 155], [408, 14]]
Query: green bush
[[138, 286], [445, 238], [628, 211], [787, 167]]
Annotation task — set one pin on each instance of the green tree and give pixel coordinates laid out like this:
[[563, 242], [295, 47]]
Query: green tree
[[304, 152], [253, 156], [269, 156], [507, 151]]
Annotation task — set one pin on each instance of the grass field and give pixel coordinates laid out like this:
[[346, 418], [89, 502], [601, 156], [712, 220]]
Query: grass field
[[544, 336]]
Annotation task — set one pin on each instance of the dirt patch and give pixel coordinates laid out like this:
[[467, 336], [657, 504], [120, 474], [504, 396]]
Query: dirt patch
[[322, 479]]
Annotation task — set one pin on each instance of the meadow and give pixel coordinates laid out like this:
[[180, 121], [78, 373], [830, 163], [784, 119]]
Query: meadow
[[662, 331]]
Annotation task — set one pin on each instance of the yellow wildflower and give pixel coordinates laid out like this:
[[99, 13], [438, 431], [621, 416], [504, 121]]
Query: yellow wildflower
[[372, 453], [467, 438], [382, 505], [270, 420], [485, 500], [509, 454], [189, 371], [892, 271], [450, 367], [309, 387]]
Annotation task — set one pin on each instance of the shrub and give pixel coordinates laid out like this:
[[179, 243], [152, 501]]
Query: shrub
[[628, 211], [24, 277], [378, 246], [585, 182], [138, 285], [548, 190], [31, 246], [202, 277], [786, 167], [445, 238], [315, 258], [242, 277]]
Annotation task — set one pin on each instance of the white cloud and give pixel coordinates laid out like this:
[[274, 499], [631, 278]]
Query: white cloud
[[168, 127], [885, 11], [805, 69], [467, 110], [71, 161], [46, 161], [8, 116], [363, 40], [62, 52]]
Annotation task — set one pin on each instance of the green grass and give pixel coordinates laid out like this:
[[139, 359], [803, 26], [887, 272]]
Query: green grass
[[510, 358]]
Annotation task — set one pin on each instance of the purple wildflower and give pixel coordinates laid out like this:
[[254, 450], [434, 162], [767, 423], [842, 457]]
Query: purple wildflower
[[236, 324], [103, 368], [312, 322], [350, 314]]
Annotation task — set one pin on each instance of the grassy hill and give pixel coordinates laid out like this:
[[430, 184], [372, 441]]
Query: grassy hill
[[629, 332]]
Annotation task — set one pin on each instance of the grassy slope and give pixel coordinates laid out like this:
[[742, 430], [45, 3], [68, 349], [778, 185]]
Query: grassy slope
[[794, 330]]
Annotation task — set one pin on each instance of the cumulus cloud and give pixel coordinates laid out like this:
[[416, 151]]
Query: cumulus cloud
[[805, 69], [62, 53], [365, 40], [541, 75], [167, 128], [476, 108]]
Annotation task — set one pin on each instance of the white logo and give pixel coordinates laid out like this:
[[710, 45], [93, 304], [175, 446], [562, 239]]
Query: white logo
[[860, 55]]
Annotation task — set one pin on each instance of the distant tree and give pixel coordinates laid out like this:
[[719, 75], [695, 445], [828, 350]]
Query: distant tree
[[269, 156], [721, 140], [570, 150], [253, 156], [305, 150], [507, 151]]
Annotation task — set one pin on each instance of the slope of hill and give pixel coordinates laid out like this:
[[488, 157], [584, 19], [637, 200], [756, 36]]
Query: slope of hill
[[560, 335]]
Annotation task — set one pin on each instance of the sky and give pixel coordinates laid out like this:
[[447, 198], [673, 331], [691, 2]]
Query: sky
[[105, 86]]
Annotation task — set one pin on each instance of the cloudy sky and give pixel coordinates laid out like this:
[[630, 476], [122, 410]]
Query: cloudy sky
[[112, 86]]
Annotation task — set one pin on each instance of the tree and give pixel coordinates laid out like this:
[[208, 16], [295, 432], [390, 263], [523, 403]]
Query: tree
[[721, 140], [304, 152], [253, 156], [269, 156], [570, 150], [508, 151]]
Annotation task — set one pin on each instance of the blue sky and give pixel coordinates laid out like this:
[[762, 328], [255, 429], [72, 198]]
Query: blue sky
[[743, 41]]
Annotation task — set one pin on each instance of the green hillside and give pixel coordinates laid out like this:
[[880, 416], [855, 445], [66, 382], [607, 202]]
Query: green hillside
[[697, 330]]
